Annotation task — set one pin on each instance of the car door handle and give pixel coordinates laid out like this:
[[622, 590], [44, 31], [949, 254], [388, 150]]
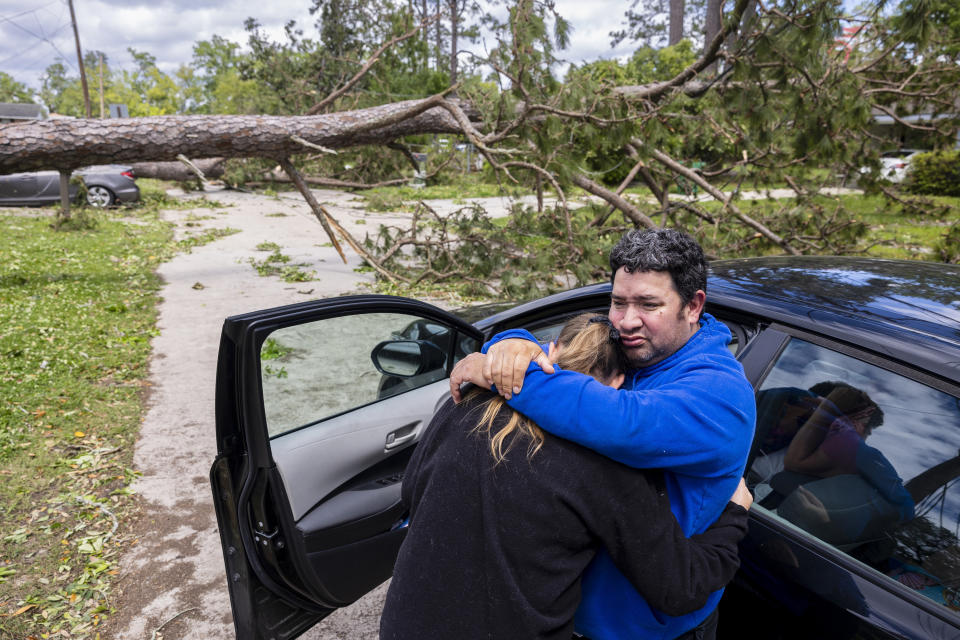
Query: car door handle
[[401, 436]]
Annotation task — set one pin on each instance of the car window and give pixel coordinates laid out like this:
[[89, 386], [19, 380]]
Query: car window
[[320, 369], [866, 460]]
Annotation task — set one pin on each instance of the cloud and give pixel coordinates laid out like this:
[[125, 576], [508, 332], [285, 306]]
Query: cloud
[[37, 32], [36, 36]]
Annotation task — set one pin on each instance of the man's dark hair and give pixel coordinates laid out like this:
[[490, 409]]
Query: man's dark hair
[[663, 250]]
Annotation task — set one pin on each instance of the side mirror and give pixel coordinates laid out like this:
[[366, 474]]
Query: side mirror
[[406, 358]]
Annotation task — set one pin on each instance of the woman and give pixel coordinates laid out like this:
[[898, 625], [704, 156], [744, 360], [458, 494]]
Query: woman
[[505, 518]]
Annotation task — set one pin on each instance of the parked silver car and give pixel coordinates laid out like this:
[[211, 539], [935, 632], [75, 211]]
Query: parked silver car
[[106, 185]]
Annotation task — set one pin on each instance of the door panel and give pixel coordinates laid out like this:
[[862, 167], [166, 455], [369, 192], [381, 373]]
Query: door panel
[[354, 441], [313, 437]]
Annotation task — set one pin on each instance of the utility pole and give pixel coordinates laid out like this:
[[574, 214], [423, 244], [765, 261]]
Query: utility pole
[[83, 73], [101, 85]]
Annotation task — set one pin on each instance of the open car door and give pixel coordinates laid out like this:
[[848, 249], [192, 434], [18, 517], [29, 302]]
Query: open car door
[[318, 408]]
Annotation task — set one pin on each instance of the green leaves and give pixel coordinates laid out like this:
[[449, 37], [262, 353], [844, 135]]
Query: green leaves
[[276, 265], [935, 173]]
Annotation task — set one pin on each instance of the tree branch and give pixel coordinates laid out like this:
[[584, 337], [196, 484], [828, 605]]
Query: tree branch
[[621, 203], [719, 196], [709, 56], [318, 211], [320, 106]]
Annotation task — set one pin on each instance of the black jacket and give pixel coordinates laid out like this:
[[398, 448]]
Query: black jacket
[[497, 551]]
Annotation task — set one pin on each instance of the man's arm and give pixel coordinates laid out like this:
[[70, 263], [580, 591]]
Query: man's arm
[[675, 574], [501, 365], [684, 425]]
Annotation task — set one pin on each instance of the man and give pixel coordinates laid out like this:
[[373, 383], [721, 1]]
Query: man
[[687, 409]]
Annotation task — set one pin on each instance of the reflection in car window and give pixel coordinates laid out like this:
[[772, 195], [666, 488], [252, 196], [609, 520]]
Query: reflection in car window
[[866, 460], [316, 370]]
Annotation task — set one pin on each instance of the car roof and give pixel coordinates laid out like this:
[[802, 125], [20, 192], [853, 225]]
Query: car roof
[[906, 309]]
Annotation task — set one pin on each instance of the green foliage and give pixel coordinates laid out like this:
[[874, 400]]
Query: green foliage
[[523, 256], [204, 237], [935, 173], [273, 350], [930, 22], [146, 91], [13, 91], [276, 264], [947, 247], [652, 65]]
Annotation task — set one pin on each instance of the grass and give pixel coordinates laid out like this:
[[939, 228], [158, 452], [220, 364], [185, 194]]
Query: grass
[[77, 312], [276, 264], [893, 231], [204, 237]]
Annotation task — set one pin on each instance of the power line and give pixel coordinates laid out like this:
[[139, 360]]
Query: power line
[[44, 37], [38, 54], [34, 10]]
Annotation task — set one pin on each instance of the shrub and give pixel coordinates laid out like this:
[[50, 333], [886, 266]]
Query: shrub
[[935, 173]]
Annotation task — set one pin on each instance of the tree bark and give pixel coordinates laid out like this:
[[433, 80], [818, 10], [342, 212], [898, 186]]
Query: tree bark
[[676, 22], [68, 144], [618, 201], [713, 23], [64, 195], [454, 25], [439, 38], [211, 168]]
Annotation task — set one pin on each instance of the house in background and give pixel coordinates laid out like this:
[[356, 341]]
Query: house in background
[[902, 136], [17, 112]]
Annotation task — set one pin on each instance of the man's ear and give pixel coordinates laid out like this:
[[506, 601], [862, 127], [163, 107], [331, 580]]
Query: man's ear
[[694, 308]]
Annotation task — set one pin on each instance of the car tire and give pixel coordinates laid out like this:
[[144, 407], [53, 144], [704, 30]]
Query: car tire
[[100, 197]]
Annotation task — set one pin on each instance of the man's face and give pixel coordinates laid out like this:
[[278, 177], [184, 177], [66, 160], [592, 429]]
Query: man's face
[[652, 320]]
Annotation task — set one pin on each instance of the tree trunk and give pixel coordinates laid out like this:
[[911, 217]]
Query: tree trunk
[[712, 23], [64, 195], [439, 38], [211, 168], [454, 25], [676, 22], [68, 144]]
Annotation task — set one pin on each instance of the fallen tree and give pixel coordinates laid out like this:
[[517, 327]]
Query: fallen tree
[[747, 108], [71, 143], [178, 171]]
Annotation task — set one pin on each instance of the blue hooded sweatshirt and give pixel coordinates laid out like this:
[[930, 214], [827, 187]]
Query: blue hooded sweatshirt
[[691, 414]]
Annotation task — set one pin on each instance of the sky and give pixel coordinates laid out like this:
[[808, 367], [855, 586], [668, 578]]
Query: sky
[[35, 33]]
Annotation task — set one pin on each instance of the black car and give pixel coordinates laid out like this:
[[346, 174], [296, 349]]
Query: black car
[[319, 406], [106, 185]]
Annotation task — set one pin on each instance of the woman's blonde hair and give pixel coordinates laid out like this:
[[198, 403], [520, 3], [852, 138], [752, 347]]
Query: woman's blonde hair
[[590, 345]]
